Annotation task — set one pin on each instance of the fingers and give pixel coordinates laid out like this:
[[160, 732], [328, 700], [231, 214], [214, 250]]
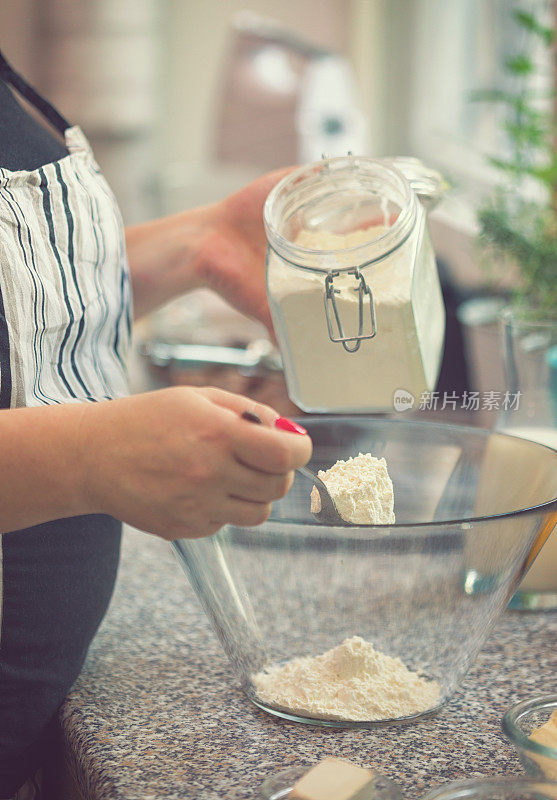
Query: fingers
[[239, 404], [245, 513], [270, 179], [260, 447], [233, 512], [259, 487], [270, 450]]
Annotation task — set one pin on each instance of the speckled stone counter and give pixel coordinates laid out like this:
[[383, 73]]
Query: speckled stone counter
[[157, 713]]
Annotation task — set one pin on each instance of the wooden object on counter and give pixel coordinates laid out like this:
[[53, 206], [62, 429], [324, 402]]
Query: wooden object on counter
[[546, 735], [333, 779]]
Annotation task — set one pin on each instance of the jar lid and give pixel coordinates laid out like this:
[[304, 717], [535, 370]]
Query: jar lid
[[334, 195]]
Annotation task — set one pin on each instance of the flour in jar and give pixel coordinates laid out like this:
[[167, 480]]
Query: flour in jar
[[353, 682], [405, 353]]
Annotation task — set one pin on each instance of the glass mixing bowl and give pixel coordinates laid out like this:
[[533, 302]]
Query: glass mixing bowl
[[469, 504], [519, 723]]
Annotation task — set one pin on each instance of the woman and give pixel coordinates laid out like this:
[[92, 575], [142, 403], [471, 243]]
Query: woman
[[77, 456]]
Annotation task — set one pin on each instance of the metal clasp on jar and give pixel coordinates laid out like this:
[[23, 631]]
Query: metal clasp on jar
[[350, 343]]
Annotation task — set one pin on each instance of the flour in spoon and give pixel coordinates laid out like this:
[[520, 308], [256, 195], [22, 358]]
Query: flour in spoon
[[353, 682], [361, 489]]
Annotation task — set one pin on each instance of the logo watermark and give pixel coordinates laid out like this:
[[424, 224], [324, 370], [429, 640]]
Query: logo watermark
[[403, 400]]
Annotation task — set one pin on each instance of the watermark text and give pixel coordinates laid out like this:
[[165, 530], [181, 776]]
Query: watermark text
[[404, 400]]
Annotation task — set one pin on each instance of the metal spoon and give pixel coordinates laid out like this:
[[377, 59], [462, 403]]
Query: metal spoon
[[328, 514]]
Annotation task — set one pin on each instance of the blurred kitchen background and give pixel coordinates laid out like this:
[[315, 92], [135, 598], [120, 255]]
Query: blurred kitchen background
[[185, 101]]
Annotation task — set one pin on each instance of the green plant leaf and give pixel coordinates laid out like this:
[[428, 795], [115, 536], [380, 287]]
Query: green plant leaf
[[520, 65], [530, 23], [546, 174], [527, 133], [504, 165], [512, 228], [491, 96], [520, 104]]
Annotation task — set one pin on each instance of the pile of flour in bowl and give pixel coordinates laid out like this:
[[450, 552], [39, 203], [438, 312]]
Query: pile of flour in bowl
[[353, 682]]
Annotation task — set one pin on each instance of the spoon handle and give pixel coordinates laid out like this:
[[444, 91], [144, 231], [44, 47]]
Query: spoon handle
[[309, 474]]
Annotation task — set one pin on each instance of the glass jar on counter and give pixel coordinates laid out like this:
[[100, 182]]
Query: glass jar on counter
[[530, 358], [352, 283]]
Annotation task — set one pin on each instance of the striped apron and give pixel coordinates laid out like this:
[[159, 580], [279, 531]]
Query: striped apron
[[64, 334]]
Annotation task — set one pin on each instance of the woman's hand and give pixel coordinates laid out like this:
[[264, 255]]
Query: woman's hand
[[232, 260], [181, 462], [220, 246]]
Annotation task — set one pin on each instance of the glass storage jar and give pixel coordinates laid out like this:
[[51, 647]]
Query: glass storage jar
[[352, 282], [530, 357]]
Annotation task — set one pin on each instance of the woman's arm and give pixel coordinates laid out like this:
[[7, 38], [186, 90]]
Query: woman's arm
[[176, 462], [40, 469], [220, 246]]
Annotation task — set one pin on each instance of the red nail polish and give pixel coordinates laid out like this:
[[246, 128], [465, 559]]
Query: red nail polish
[[287, 425]]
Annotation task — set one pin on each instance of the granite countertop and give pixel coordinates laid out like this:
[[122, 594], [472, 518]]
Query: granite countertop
[[157, 712]]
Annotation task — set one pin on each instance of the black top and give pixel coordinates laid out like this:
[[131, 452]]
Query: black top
[[24, 142], [56, 579]]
